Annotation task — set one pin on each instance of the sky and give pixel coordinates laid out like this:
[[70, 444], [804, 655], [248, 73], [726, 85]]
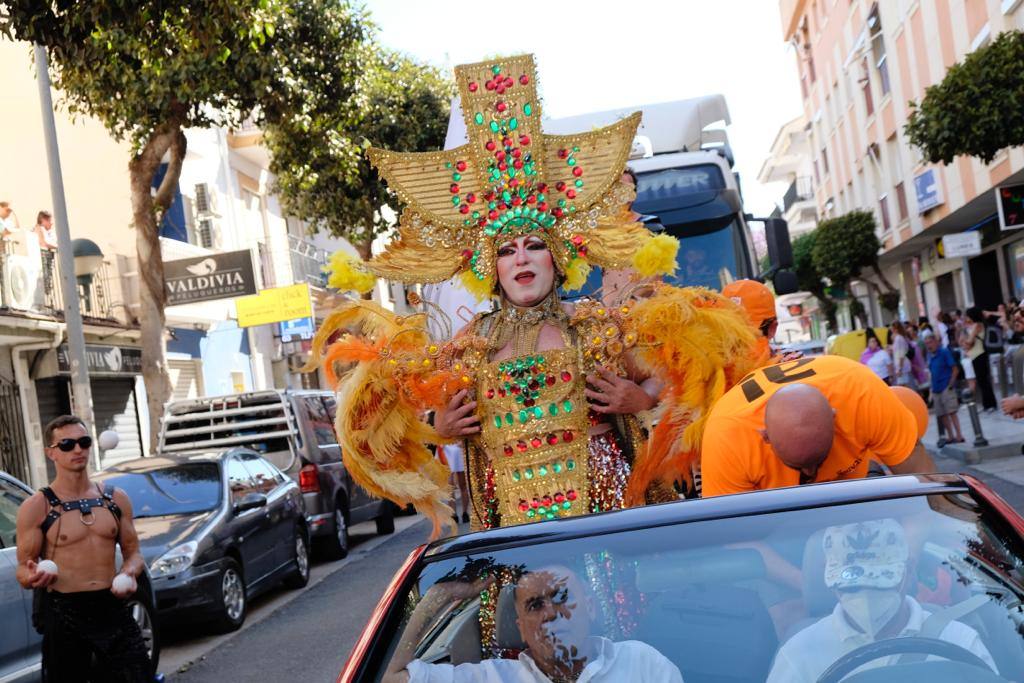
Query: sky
[[599, 55]]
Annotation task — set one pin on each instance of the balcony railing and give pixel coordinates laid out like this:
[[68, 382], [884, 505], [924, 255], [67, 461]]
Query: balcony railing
[[308, 261], [799, 190], [32, 285]]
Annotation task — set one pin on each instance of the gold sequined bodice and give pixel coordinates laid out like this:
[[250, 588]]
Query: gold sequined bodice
[[533, 415]]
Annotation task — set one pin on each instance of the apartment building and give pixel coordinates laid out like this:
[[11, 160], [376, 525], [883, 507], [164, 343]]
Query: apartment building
[[861, 63]]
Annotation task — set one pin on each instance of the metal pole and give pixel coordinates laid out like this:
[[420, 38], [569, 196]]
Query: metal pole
[[81, 391]]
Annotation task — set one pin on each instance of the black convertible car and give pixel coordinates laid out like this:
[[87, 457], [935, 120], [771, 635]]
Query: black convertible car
[[901, 578]]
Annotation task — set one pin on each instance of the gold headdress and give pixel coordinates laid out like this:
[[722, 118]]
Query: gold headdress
[[510, 179]]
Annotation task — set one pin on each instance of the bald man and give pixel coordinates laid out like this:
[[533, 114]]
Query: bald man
[[810, 420]]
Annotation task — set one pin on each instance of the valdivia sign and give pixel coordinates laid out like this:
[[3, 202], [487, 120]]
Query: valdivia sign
[[205, 278]]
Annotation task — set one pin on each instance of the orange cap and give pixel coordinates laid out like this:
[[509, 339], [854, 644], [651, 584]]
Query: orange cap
[[756, 299]]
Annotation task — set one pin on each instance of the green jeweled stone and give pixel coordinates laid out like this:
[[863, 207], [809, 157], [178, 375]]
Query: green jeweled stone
[[494, 127], [575, 149], [507, 196], [496, 69], [557, 467], [579, 182], [550, 515], [509, 419], [566, 505], [492, 205], [542, 510], [466, 221], [497, 421], [541, 197], [456, 177], [516, 475], [570, 465], [456, 200], [543, 471], [571, 161], [447, 164], [530, 513], [537, 412], [572, 209], [520, 398], [528, 109], [476, 214], [567, 406], [561, 202], [523, 417], [479, 118], [528, 473], [553, 409], [513, 123]]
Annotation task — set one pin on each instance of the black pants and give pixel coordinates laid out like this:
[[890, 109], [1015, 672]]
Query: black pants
[[91, 636], [983, 375]]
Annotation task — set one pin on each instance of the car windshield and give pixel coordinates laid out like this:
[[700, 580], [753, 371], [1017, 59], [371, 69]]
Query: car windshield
[[177, 490], [777, 597]]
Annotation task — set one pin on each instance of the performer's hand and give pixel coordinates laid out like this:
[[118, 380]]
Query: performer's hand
[[457, 419], [1013, 405], [787, 356], [39, 578], [124, 589], [609, 393]]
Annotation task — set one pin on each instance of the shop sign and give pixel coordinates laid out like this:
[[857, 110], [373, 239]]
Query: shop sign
[[961, 244], [928, 190], [1010, 201], [205, 278], [275, 305], [104, 360], [297, 330]]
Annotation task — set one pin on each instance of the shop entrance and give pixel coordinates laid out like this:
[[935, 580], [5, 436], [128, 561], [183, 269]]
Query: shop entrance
[[988, 292], [13, 445]]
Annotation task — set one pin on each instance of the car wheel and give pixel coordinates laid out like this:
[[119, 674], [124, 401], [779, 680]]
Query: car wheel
[[299, 576], [233, 601], [386, 520], [336, 544], [142, 613]]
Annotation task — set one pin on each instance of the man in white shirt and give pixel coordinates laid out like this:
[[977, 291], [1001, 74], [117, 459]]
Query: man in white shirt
[[554, 613], [8, 221], [866, 566]]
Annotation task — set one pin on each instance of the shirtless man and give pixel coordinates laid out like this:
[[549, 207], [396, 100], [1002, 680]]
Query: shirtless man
[[76, 524]]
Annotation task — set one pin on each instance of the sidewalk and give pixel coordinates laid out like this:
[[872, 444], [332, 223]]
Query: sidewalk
[[1001, 457]]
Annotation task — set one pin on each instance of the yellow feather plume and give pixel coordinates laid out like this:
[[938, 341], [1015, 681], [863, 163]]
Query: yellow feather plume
[[657, 256], [346, 273], [700, 344], [576, 274], [481, 289]]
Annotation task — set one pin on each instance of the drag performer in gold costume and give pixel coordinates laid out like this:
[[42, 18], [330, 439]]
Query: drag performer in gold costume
[[544, 392]]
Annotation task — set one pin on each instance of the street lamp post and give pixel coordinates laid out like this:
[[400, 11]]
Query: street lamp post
[[81, 391]]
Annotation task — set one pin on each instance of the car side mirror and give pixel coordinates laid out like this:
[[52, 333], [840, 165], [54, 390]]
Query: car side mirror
[[250, 501], [780, 250], [785, 282]]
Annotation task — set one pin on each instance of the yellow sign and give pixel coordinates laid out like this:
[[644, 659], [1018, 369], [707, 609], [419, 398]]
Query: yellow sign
[[274, 306]]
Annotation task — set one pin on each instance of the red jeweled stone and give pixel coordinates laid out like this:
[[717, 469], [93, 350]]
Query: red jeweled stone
[[471, 198], [454, 188], [559, 497], [489, 145], [464, 208], [517, 152], [546, 500], [524, 79], [508, 82], [570, 193], [515, 389], [489, 85], [535, 503], [577, 240], [516, 201], [518, 163], [566, 375], [508, 449], [532, 199], [521, 446], [534, 385], [490, 393], [524, 140], [542, 187], [552, 439], [550, 380], [529, 402], [563, 153], [568, 436], [501, 392], [500, 155], [500, 89], [467, 253], [473, 86], [571, 494], [543, 206], [502, 166], [460, 166], [560, 186], [582, 250], [558, 212], [492, 214], [523, 506], [536, 442], [577, 171], [501, 106]]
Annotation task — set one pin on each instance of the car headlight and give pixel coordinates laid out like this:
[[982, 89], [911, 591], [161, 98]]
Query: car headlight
[[175, 560]]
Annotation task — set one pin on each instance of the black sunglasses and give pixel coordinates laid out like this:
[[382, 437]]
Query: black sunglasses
[[68, 445]]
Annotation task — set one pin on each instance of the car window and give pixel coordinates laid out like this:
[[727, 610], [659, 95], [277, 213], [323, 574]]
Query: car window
[[11, 498], [321, 419], [799, 590], [240, 482], [265, 477], [177, 490]]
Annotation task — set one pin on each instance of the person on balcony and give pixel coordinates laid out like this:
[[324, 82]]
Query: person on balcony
[[46, 236]]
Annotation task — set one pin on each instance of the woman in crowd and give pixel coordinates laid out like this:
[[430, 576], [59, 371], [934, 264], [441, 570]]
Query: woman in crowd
[[974, 343], [877, 358], [901, 351]]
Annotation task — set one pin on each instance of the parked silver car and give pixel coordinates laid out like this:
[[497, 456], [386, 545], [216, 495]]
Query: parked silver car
[[20, 653], [294, 430]]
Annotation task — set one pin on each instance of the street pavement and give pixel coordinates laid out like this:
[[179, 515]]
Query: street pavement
[[300, 635]]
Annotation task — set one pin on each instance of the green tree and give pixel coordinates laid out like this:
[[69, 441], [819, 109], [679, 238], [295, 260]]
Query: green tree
[[808, 277], [978, 107], [322, 175], [150, 69], [844, 247]]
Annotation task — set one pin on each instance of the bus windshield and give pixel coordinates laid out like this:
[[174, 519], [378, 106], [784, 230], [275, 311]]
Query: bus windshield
[[709, 259]]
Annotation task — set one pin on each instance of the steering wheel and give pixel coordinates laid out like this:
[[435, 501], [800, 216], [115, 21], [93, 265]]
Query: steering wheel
[[898, 646]]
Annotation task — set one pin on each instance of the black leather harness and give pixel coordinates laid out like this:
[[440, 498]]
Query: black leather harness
[[83, 505]]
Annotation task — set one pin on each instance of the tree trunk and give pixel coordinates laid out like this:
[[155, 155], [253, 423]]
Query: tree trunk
[[146, 209]]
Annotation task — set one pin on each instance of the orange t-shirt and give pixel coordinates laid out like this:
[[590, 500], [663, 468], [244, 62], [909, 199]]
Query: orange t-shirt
[[870, 423]]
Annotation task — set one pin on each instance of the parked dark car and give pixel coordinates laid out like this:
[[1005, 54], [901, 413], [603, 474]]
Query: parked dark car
[[20, 654], [704, 584], [215, 530], [293, 429]]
